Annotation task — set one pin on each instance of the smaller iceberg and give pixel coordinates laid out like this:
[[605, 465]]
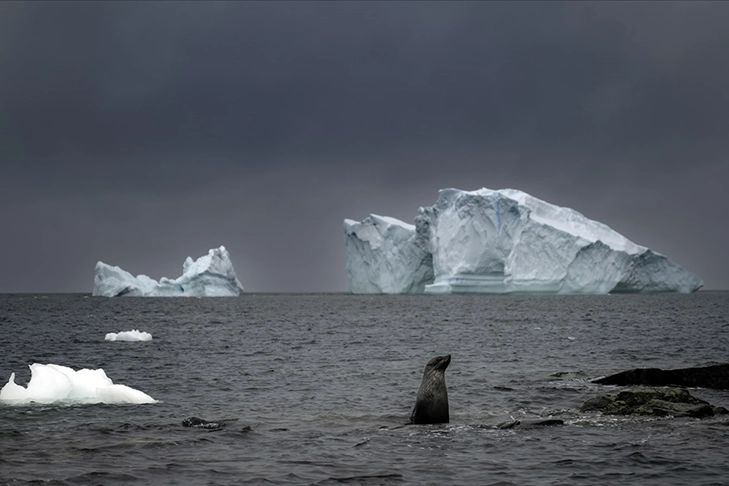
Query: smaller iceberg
[[133, 335], [54, 383], [211, 275]]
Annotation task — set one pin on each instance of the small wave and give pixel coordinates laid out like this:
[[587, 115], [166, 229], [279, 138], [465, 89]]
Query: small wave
[[372, 479], [100, 477]]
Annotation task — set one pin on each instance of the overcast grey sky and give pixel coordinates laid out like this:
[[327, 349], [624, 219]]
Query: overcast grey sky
[[140, 133]]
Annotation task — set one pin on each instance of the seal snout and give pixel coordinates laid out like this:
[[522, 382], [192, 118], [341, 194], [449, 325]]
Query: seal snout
[[440, 362]]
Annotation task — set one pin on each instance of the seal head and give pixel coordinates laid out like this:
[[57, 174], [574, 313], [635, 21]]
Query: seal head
[[431, 406]]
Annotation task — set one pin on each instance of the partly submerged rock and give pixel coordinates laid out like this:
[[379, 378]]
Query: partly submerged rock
[[658, 401], [715, 376], [198, 423], [203, 424], [528, 424]]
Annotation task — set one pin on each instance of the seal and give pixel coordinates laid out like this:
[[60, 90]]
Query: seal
[[431, 406]]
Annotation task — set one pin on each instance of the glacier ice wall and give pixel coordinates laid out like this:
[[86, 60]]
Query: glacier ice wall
[[505, 241], [385, 256], [211, 275]]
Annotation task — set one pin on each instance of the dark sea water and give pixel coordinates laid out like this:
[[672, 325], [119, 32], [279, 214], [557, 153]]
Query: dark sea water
[[313, 389]]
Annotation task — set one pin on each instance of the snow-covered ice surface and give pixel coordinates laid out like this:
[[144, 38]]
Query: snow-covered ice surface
[[60, 384], [505, 241], [133, 335], [211, 275], [386, 256]]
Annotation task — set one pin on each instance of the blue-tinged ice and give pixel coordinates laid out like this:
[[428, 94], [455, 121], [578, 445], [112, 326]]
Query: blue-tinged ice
[[211, 275], [386, 256], [506, 241]]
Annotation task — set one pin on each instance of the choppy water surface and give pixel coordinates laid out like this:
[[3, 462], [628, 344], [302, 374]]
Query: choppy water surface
[[314, 387]]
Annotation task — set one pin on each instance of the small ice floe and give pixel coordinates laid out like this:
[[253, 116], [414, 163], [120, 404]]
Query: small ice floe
[[60, 384], [133, 335]]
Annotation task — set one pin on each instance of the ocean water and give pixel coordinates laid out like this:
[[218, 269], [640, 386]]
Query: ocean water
[[315, 388]]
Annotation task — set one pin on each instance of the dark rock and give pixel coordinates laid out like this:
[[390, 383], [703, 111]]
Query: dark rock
[[527, 424], [665, 409], [597, 404], [202, 424], [675, 402], [715, 376]]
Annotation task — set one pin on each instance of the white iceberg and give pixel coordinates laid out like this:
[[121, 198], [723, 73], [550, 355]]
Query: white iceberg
[[506, 241], [386, 256], [211, 275], [60, 384], [133, 335]]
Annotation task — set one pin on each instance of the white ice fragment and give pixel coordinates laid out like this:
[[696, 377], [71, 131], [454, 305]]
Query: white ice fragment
[[60, 384], [123, 394], [133, 335], [49, 382], [12, 391]]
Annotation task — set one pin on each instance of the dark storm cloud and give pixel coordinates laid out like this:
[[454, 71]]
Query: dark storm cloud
[[141, 132], [125, 77]]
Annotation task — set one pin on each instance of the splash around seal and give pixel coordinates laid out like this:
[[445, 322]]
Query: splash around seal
[[431, 405]]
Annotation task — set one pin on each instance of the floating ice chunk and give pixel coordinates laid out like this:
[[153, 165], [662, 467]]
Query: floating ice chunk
[[53, 383], [133, 335], [211, 275], [122, 394], [49, 382], [12, 391]]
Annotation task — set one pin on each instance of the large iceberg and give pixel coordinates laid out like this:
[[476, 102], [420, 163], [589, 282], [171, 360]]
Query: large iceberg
[[211, 275], [385, 256], [505, 241]]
